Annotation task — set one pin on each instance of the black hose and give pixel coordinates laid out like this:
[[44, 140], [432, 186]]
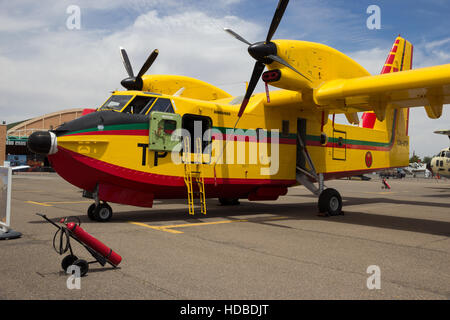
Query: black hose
[[64, 244]]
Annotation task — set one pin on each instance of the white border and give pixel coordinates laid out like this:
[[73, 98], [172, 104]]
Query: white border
[[8, 200]]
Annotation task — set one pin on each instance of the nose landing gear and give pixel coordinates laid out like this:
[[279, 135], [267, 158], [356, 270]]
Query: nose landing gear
[[101, 212]]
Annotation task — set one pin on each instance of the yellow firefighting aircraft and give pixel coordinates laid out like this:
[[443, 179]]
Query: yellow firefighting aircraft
[[126, 151], [440, 164]]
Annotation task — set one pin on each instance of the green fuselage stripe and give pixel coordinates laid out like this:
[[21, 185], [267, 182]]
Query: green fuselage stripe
[[244, 132]]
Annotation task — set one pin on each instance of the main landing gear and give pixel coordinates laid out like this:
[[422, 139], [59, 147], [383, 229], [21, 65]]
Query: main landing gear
[[330, 201], [101, 212]]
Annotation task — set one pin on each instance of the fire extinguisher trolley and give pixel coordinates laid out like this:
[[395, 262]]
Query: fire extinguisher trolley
[[67, 230]]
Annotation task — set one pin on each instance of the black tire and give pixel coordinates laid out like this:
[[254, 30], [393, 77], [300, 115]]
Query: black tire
[[68, 261], [103, 212], [229, 202], [90, 212], [330, 201], [83, 265]]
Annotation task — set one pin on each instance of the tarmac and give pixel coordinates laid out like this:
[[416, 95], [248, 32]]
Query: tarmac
[[258, 250]]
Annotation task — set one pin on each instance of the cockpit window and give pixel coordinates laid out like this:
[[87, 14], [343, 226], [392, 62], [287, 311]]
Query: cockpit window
[[139, 105], [447, 154], [115, 103], [163, 105]]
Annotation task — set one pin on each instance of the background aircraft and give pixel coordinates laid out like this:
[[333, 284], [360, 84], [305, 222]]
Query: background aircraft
[[440, 164]]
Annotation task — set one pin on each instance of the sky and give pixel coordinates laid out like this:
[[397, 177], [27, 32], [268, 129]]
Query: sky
[[47, 67]]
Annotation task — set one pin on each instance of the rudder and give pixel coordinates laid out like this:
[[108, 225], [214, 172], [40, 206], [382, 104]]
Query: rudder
[[400, 58]]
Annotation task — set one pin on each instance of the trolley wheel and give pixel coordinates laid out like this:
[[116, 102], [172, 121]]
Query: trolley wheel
[[68, 261], [103, 212], [229, 202], [83, 265], [90, 212], [330, 201]]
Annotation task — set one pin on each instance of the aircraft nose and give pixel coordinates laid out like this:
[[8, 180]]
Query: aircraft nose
[[43, 142]]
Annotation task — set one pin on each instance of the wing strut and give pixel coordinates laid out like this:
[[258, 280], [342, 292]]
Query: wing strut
[[304, 176]]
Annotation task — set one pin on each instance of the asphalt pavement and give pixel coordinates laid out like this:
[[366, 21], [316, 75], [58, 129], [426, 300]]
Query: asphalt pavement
[[396, 240]]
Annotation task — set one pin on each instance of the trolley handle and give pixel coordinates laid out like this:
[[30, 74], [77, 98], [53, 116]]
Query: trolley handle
[[48, 220]]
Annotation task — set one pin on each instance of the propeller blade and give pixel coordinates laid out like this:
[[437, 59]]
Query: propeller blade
[[282, 4], [151, 58], [126, 62], [257, 72], [235, 35], [285, 63]]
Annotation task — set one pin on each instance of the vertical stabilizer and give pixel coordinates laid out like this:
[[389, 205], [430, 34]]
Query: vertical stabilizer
[[400, 58]]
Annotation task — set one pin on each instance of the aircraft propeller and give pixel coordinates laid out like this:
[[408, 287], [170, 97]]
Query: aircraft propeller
[[264, 52], [135, 82]]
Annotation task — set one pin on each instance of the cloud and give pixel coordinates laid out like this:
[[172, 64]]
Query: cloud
[[64, 69]]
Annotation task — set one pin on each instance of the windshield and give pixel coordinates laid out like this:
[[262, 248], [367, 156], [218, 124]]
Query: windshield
[[116, 103]]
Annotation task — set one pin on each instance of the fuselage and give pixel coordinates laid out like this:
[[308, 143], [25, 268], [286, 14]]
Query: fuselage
[[109, 150]]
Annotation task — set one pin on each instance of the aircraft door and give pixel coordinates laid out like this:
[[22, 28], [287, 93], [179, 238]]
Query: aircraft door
[[162, 125], [200, 135], [339, 145]]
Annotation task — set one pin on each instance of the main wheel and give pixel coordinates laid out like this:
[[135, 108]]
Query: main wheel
[[68, 261], [229, 202], [103, 212], [330, 201], [83, 265]]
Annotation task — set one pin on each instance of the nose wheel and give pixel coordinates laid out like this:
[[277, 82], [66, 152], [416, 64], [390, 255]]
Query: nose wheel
[[101, 212]]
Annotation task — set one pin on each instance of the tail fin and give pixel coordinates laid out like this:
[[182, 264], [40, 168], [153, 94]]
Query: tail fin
[[400, 58]]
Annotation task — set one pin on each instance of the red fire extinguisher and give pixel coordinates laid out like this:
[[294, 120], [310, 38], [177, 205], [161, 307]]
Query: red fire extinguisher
[[94, 244]]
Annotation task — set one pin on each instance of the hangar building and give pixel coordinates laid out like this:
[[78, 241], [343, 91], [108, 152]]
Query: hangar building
[[13, 138]]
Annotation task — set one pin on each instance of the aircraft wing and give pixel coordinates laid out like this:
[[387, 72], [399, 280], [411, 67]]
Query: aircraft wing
[[429, 87]]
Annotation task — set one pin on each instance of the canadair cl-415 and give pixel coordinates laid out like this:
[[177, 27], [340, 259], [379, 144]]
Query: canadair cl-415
[[172, 137]]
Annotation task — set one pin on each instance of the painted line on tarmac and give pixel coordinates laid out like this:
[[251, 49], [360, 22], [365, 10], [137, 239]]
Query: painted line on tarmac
[[155, 227], [382, 193], [51, 204], [39, 203], [169, 228], [68, 202]]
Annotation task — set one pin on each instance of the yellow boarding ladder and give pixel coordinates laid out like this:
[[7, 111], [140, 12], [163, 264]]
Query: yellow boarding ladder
[[197, 174]]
